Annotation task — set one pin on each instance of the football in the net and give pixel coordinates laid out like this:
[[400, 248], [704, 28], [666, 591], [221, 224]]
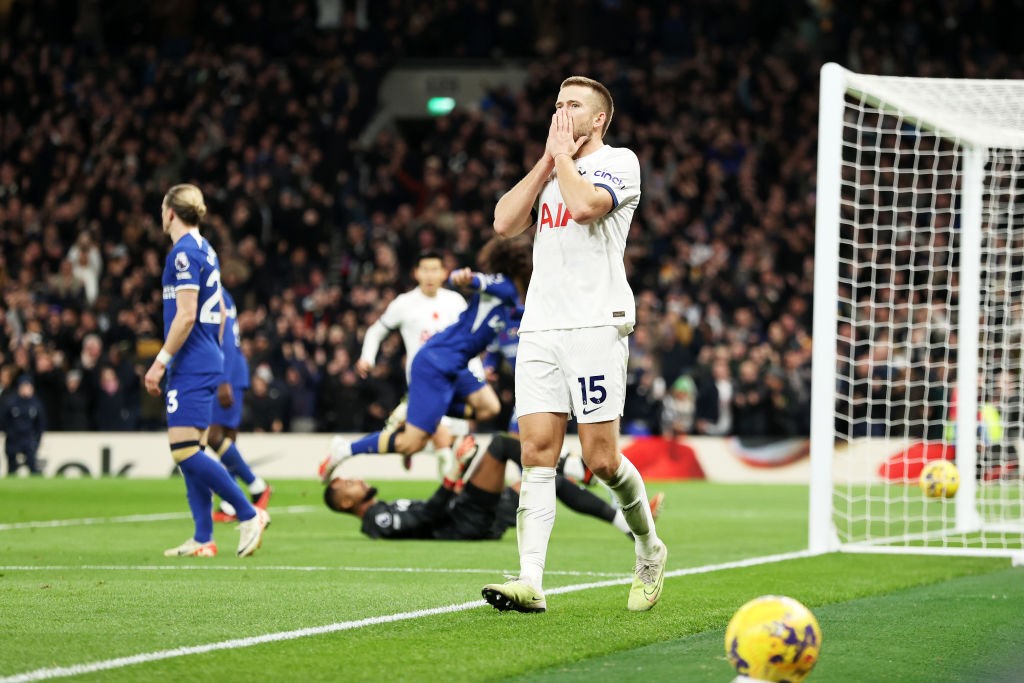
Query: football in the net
[[940, 479], [773, 638]]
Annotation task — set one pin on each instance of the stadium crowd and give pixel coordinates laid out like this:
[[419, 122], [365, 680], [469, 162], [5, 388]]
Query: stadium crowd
[[262, 103]]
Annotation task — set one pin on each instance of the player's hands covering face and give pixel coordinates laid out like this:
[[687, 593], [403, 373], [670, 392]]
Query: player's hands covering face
[[560, 135]]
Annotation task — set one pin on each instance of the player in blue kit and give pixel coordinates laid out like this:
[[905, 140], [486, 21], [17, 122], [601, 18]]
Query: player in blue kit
[[440, 382], [193, 361], [227, 414]]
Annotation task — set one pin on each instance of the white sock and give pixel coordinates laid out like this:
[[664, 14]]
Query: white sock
[[534, 520], [257, 486], [446, 463], [628, 488], [619, 522]]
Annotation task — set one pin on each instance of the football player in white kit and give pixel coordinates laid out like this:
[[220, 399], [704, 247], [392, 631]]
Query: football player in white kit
[[573, 348], [418, 315]]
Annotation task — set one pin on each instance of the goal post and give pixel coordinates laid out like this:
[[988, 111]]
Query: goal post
[[918, 314]]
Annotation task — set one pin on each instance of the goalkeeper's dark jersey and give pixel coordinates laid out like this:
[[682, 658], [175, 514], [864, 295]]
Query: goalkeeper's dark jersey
[[468, 516], [408, 518]]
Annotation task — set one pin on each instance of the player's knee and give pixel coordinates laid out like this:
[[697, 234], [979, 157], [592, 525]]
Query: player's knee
[[410, 443], [603, 464], [539, 454], [486, 408], [220, 447], [215, 439], [183, 450], [504, 447]]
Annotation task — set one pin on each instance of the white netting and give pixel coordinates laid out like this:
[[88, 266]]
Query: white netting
[[900, 347]]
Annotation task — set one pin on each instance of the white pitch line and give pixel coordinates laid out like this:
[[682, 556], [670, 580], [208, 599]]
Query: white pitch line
[[285, 568], [238, 643], [157, 517]]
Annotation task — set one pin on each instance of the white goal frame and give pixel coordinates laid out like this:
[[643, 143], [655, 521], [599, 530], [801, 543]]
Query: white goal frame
[[975, 142]]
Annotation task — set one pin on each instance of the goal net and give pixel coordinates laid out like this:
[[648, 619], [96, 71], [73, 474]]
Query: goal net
[[919, 314]]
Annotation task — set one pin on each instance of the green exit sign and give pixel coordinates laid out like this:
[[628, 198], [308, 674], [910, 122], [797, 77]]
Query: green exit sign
[[439, 106]]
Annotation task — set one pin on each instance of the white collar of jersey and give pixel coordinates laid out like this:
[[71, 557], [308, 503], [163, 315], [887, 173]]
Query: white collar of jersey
[[194, 232], [599, 150]]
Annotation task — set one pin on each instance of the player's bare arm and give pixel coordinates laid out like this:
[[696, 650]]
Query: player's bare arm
[[184, 320], [512, 215], [585, 201], [372, 339], [225, 395], [223, 321]]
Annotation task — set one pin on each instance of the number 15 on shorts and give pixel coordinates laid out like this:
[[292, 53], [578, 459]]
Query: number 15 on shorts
[[591, 389]]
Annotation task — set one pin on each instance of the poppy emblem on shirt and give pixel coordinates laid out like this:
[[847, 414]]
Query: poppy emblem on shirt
[[181, 261], [436, 315]]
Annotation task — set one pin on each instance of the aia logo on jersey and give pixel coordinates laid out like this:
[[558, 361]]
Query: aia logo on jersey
[[559, 219]]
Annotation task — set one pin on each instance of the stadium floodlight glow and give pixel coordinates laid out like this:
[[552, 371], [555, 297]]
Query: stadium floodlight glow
[[439, 106], [918, 314]]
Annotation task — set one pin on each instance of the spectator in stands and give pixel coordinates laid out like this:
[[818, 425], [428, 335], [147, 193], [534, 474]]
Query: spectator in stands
[[715, 399], [49, 383], [266, 404], [301, 382], [74, 405], [86, 265], [679, 409], [113, 410], [750, 405]]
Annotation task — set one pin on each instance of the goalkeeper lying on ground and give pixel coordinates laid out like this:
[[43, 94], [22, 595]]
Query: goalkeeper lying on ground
[[482, 510]]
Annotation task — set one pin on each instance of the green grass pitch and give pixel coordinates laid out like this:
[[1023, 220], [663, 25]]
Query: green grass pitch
[[84, 592]]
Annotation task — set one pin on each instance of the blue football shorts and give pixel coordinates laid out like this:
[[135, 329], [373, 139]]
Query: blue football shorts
[[228, 417], [432, 388], [189, 399]]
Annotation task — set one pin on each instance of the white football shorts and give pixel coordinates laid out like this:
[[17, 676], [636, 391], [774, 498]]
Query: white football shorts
[[581, 372]]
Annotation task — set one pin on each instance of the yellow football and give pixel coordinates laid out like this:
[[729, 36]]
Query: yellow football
[[773, 638], [940, 479]]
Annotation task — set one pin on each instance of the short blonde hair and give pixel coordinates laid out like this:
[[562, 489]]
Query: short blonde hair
[[607, 104], [187, 202]]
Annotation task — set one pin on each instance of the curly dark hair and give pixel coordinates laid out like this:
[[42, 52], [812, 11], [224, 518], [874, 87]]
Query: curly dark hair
[[512, 257]]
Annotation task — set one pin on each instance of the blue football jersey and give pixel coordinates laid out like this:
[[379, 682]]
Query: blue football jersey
[[496, 306], [505, 346], [192, 264], [236, 367]]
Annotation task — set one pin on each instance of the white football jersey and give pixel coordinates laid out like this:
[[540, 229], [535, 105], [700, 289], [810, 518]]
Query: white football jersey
[[579, 278], [417, 317]]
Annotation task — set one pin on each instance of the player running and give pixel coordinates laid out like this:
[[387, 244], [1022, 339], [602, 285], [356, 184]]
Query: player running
[[573, 348], [418, 315], [193, 361], [440, 382]]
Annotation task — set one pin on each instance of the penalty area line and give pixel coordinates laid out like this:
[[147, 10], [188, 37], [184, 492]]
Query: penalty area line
[[251, 641]]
